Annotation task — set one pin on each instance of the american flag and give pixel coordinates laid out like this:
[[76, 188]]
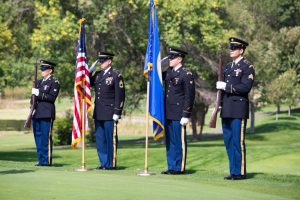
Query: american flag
[[82, 92]]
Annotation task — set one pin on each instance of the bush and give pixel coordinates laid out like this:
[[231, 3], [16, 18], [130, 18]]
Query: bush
[[90, 137], [62, 130]]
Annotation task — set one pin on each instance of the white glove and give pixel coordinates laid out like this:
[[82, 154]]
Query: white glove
[[184, 121], [35, 91], [221, 85], [116, 117], [92, 68]]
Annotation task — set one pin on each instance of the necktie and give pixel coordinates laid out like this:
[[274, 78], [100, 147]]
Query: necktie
[[233, 64]]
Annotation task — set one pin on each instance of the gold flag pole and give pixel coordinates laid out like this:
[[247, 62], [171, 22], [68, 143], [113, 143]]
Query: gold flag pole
[[82, 168], [146, 172]]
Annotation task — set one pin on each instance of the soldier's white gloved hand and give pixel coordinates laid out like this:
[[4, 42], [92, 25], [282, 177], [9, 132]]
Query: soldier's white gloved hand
[[35, 91], [184, 121], [221, 85], [93, 67], [116, 117]]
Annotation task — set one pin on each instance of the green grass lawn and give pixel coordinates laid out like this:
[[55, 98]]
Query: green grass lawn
[[273, 166]]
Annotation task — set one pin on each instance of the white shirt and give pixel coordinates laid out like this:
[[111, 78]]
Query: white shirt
[[44, 79], [177, 67], [106, 70], [236, 61]]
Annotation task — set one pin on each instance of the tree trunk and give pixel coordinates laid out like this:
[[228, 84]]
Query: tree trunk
[[194, 125], [277, 111], [252, 117], [202, 114], [290, 108], [278, 108], [198, 117]]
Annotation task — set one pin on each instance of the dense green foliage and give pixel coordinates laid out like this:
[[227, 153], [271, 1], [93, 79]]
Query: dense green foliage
[[49, 29]]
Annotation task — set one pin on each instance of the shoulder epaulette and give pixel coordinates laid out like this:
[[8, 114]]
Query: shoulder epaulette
[[188, 72], [55, 79], [247, 62], [116, 71]]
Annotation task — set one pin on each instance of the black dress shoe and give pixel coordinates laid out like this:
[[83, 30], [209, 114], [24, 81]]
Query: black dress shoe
[[168, 172], [111, 168], [228, 177], [42, 165], [177, 172], [238, 177], [100, 168]]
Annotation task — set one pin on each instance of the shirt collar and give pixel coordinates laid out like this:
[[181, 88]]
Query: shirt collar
[[177, 67], [236, 61], [44, 79], [105, 71]]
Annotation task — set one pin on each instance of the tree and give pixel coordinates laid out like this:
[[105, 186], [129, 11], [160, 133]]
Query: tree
[[55, 38], [293, 89], [284, 89], [260, 23], [7, 48], [197, 27]]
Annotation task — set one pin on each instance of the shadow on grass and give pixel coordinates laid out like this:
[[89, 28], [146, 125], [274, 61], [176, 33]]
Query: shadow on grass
[[121, 168], [140, 142], [190, 171], [272, 128], [16, 171], [199, 144], [252, 175], [21, 156], [59, 164], [294, 112]]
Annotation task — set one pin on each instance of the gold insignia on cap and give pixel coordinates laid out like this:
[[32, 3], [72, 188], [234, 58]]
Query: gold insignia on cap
[[189, 73], [121, 84], [250, 76]]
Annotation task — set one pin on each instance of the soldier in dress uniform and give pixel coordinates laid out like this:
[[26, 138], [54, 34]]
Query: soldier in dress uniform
[[179, 99], [109, 102], [238, 77], [44, 114]]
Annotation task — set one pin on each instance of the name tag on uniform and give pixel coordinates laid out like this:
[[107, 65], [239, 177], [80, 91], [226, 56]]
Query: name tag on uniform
[[46, 87]]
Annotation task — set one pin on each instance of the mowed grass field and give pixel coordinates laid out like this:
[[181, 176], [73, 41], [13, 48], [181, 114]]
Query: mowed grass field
[[273, 166]]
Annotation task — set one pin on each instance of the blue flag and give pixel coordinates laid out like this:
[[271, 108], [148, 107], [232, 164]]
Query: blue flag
[[152, 70]]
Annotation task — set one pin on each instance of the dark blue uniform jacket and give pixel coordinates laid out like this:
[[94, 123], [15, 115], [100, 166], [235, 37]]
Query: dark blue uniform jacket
[[48, 91], [109, 94], [179, 93], [239, 79]]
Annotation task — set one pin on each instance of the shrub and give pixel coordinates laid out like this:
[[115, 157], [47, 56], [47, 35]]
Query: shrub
[[62, 130]]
